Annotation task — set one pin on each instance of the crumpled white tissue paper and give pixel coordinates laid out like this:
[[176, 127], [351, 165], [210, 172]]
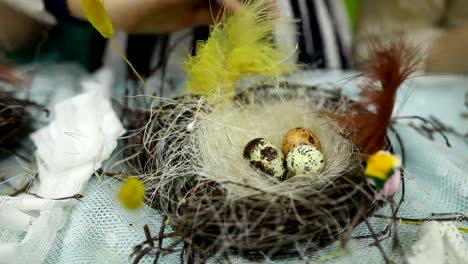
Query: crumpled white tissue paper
[[439, 243], [73, 146]]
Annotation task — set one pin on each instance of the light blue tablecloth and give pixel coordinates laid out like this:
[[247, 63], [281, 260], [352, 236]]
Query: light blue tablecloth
[[100, 231]]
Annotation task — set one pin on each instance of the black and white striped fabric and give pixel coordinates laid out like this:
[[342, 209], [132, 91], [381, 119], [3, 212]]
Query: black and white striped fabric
[[323, 38]]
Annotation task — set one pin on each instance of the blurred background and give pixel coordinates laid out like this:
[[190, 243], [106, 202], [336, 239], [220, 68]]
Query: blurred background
[[438, 27]]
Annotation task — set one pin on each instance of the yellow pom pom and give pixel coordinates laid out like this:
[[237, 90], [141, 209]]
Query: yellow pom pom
[[132, 193], [380, 164], [96, 14]]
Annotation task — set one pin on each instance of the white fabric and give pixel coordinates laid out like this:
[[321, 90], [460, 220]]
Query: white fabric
[[440, 243], [74, 145]]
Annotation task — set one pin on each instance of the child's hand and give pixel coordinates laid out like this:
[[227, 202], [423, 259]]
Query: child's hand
[[159, 16]]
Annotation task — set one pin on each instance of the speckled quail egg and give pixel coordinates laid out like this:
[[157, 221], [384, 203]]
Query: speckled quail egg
[[266, 157], [297, 137], [305, 159]]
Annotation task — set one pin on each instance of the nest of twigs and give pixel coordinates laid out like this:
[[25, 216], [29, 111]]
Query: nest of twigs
[[15, 120], [205, 213]]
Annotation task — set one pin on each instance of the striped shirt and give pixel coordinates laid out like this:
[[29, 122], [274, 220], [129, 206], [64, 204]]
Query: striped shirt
[[322, 36]]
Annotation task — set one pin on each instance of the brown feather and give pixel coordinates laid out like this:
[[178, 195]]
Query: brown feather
[[368, 118], [7, 74]]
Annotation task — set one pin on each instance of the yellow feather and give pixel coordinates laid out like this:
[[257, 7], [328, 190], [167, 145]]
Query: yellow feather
[[241, 44], [96, 14]]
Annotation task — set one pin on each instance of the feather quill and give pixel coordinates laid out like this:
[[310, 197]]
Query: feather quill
[[96, 14], [369, 117], [241, 44]]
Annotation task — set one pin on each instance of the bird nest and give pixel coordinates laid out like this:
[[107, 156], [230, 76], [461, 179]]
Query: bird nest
[[15, 120], [189, 154]]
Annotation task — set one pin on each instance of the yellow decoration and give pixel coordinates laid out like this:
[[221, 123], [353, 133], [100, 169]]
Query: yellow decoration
[[380, 164], [240, 45], [132, 193], [415, 222], [96, 14]]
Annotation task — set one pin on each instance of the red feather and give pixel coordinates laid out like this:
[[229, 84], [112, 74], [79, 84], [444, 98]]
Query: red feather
[[369, 117]]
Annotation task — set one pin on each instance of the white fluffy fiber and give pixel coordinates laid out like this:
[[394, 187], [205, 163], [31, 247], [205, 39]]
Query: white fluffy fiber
[[220, 137]]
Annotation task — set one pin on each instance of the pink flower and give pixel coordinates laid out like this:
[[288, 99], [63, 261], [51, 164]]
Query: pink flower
[[391, 185]]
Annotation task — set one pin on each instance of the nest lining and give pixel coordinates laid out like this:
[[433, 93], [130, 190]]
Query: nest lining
[[221, 136]]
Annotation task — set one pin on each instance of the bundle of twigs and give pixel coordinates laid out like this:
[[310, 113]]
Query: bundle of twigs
[[15, 120]]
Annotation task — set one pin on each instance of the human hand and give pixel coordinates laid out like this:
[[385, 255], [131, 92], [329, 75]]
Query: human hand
[[159, 16]]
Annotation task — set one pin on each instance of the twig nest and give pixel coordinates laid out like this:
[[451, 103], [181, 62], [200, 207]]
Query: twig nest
[[305, 159], [265, 156], [297, 137], [206, 167]]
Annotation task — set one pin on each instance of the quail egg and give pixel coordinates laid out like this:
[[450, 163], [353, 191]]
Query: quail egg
[[266, 157], [305, 159], [297, 137]]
